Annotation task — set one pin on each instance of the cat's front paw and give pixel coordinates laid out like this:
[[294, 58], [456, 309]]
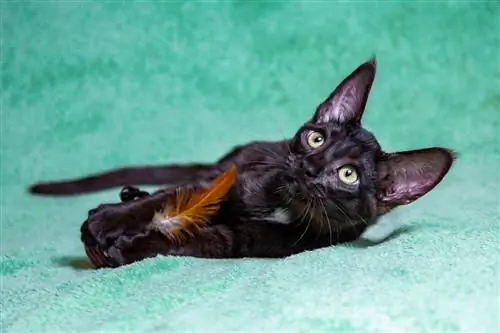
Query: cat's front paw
[[97, 209], [112, 228], [99, 228], [132, 248], [126, 248], [103, 233], [100, 258]]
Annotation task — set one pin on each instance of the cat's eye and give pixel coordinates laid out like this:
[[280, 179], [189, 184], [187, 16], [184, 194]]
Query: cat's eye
[[348, 174], [315, 139]]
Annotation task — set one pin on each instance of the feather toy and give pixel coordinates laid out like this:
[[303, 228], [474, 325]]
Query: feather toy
[[189, 210]]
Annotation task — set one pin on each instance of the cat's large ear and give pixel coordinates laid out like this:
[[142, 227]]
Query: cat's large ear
[[403, 177], [347, 102]]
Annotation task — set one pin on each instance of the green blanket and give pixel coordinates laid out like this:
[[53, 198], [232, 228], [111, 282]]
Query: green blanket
[[88, 87]]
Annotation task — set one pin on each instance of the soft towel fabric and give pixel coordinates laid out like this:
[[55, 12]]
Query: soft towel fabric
[[92, 86], [384, 226]]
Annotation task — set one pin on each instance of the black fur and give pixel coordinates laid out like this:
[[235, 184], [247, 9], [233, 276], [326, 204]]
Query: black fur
[[288, 176]]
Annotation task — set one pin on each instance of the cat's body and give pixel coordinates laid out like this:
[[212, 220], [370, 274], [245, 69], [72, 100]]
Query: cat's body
[[321, 187], [258, 219]]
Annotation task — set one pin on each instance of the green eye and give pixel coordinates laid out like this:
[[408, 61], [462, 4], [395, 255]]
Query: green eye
[[315, 139], [348, 174]]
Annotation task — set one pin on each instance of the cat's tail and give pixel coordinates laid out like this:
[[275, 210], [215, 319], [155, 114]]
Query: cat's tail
[[129, 176]]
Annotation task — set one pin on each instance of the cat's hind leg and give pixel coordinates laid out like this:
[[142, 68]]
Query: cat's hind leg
[[130, 193]]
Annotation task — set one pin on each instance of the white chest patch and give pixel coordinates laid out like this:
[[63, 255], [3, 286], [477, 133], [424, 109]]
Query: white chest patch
[[280, 215]]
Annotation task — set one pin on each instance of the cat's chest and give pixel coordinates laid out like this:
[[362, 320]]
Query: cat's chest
[[279, 215], [256, 192], [261, 200]]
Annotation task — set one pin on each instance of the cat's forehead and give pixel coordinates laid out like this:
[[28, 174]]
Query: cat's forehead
[[367, 138], [348, 135]]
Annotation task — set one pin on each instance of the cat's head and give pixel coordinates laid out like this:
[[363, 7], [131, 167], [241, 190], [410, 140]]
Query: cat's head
[[336, 168]]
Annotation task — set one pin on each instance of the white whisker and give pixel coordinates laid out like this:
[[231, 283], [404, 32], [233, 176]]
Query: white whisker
[[267, 151], [308, 223], [327, 220]]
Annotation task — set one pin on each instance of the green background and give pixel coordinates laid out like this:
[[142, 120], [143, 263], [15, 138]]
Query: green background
[[92, 86]]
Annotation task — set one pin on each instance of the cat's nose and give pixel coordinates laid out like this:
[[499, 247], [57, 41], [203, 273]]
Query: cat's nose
[[309, 169]]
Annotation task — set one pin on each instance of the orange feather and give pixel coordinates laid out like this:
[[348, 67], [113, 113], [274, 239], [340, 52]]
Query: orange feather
[[192, 209]]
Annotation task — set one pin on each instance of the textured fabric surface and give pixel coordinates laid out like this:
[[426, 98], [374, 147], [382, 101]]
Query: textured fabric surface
[[87, 87]]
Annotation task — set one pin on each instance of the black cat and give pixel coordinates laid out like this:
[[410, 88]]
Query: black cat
[[322, 187]]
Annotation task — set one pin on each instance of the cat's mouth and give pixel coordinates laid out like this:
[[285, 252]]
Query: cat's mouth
[[304, 189], [314, 206], [323, 218]]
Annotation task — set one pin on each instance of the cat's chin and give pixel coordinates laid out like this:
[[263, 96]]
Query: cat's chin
[[308, 205], [303, 192], [320, 219]]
